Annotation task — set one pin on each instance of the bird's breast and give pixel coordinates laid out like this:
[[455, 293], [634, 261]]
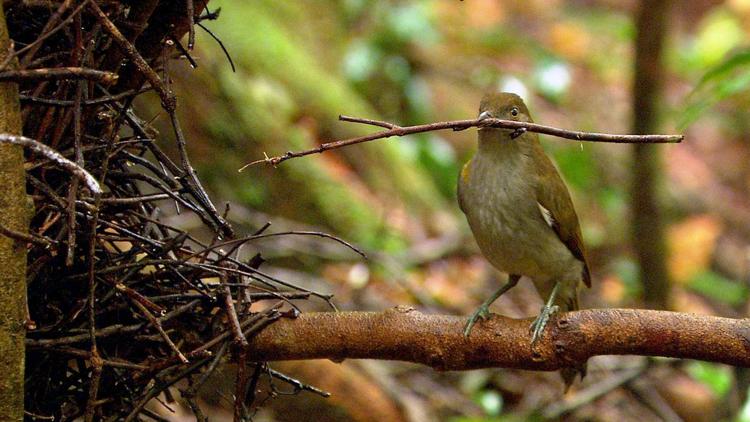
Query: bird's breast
[[501, 208]]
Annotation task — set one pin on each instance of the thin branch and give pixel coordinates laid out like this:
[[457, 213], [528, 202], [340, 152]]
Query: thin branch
[[193, 183], [55, 156], [184, 52], [96, 375], [92, 102], [438, 341], [190, 10], [108, 331], [114, 363], [167, 96], [298, 386], [242, 240], [57, 73], [234, 322], [221, 45], [157, 324], [27, 237], [456, 125], [47, 32], [593, 392]]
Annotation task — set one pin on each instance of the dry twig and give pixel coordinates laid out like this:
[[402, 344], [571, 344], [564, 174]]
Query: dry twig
[[58, 73], [395, 130], [55, 156]]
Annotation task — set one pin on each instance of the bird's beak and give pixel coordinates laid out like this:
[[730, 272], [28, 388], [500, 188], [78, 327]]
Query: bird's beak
[[484, 115]]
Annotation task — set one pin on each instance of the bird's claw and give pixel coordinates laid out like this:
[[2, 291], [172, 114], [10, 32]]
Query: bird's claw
[[537, 327], [482, 313]]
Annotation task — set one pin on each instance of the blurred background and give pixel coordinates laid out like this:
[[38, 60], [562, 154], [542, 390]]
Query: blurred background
[[676, 236]]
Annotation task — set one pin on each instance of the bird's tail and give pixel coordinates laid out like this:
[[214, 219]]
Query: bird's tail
[[568, 375]]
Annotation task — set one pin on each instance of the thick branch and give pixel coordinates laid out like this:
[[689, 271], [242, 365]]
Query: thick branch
[[438, 341], [395, 130]]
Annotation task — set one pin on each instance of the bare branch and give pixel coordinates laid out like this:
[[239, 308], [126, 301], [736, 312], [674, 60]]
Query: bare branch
[[166, 95], [438, 341], [55, 156], [57, 73], [26, 237], [456, 125]]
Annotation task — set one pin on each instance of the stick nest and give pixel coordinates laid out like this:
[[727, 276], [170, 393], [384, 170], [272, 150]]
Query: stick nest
[[123, 308]]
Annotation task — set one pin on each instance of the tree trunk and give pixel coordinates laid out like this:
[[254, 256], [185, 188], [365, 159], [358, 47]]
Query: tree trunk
[[14, 214], [648, 231]]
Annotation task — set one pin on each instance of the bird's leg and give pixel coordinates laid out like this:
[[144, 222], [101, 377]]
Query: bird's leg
[[483, 312], [537, 327]]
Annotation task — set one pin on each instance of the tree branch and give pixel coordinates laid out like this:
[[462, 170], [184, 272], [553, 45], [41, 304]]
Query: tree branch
[[58, 73], [437, 340], [456, 125], [55, 156]]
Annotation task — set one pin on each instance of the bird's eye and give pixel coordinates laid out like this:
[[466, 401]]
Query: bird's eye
[[514, 111]]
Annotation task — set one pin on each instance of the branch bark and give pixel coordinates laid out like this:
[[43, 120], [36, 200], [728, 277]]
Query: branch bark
[[405, 334]]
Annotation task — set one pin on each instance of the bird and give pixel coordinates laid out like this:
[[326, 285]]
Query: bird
[[522, 216]]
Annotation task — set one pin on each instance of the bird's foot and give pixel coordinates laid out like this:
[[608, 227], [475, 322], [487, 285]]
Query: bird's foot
[[537, 327], [483, 312]]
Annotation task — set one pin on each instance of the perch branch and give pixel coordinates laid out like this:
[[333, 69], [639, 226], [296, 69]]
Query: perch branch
[[456, 125], [438, 341]]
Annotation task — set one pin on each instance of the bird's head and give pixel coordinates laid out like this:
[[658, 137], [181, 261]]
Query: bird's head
[[504, 105]]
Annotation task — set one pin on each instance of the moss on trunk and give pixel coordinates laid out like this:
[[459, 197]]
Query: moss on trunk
[[14, 215]]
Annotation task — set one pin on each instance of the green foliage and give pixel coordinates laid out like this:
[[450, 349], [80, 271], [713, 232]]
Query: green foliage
[[301, 64], [744, 413], [627, 270], [715, 376], [578, 165], [552, 79], [723, 77], [719, 33], [720, 82], [438, 157], [720, 288], [500, 418]]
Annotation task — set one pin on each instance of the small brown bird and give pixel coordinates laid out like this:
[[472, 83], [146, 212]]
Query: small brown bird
[[521, 215]]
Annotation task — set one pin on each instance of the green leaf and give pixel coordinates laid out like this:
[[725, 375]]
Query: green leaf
[[720, 32], [738, 59], [714, 93]]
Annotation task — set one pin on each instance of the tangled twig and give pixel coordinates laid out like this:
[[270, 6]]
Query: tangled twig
[[131, 300]]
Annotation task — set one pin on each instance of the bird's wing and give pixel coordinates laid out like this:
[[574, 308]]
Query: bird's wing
[[463, 178], [556, 208]]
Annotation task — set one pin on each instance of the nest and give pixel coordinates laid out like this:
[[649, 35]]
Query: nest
[[123, 308]]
